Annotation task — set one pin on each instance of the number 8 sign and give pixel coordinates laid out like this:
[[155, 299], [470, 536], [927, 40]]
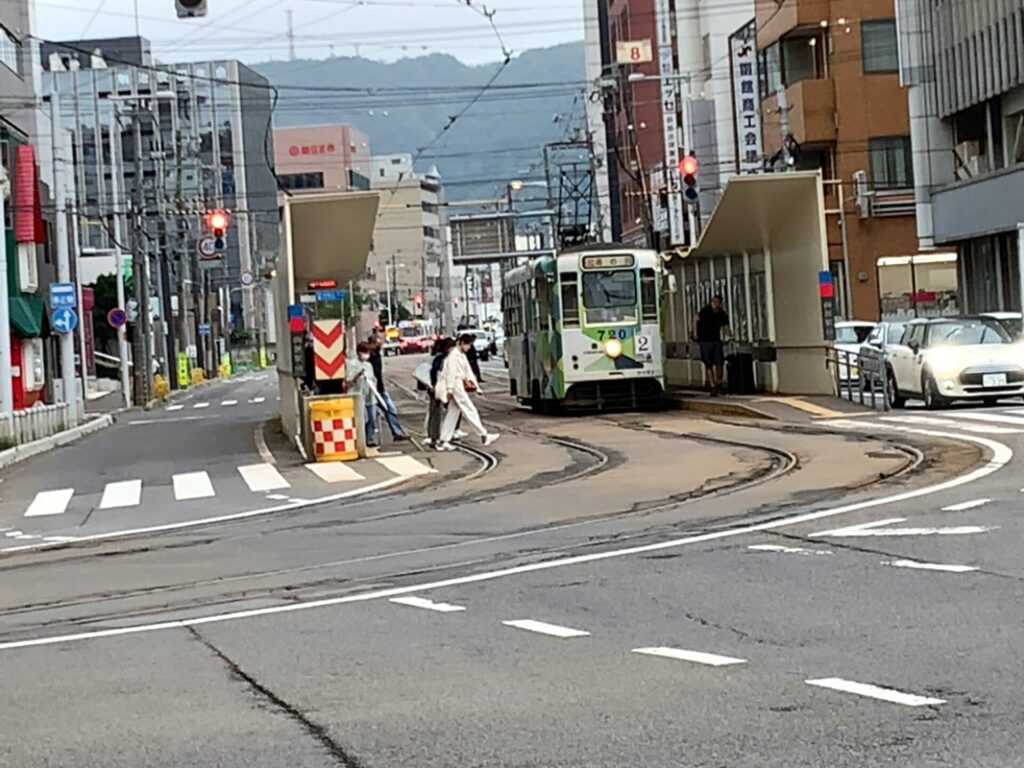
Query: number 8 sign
[[633, 52]]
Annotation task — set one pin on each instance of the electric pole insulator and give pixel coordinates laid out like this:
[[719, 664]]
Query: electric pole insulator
[[190, 9]]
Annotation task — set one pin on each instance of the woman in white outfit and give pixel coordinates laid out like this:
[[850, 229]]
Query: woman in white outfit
[[454, 384]]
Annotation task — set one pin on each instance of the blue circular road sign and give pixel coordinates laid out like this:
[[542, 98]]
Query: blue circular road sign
[[117, 317], [64, 320]]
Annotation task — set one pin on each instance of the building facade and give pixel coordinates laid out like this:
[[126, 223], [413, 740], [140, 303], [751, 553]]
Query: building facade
[[964, 64], [322, 157], [154, 148], [832, 100]]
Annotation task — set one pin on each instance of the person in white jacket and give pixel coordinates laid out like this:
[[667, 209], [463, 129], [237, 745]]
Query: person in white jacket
[[454, 383]]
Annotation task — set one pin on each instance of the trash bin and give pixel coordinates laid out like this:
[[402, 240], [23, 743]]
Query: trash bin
[[739, 374], [335, 429]]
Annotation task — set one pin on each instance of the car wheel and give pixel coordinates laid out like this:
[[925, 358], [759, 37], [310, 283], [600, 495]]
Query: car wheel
[[896, 400], [933, 400]]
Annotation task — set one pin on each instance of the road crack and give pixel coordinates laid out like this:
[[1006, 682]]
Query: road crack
[[317, 731]]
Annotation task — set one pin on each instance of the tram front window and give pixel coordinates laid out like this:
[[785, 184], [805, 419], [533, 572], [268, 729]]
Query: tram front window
[[610, 297]]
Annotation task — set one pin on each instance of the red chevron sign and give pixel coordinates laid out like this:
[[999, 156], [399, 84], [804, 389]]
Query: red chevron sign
[[329, 349]]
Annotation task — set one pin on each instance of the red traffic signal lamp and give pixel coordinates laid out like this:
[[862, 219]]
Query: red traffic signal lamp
[[688, 168], [217, 222]]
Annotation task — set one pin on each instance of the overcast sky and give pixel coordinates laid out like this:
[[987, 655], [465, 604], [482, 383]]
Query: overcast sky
[[256, 30]]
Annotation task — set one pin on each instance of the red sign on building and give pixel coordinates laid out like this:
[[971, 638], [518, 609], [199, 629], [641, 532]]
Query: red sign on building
[[311, 149]]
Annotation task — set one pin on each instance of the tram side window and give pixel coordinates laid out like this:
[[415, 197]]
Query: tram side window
[[544, 304], [570, 300], [649, 295]]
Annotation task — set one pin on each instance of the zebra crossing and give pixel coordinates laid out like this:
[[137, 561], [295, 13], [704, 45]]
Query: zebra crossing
[[204, 404], [1000, 422], [262, 478]]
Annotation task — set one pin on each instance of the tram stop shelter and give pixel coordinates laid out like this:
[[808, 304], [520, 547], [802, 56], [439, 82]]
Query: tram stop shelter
[[762, 250], [326, 240]]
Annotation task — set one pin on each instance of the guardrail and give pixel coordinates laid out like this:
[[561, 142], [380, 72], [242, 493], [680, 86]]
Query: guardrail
[[861, 377], [33, 423]]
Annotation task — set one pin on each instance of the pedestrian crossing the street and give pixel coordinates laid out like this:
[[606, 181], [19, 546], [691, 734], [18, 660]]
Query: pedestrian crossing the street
[[994, 423], [263, 478]]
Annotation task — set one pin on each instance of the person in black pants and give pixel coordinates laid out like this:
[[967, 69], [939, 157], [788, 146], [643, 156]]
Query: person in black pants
[[389, 407], [707, 332]]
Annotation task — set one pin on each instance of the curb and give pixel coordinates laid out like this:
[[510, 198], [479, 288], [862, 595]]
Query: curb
[[21, 452], [718, 407]]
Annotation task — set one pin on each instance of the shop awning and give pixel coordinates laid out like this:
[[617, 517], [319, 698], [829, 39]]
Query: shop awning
[[27, 315]]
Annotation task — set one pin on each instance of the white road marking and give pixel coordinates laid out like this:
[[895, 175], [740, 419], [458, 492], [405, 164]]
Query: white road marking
[[928, 420], [965, 505], [334, 472], [142, 422], [229, 403], [430, 605], [124, 494], [788, 550], [263, 477], [60, 539], [1001, 456], [405, 466], [697, 657], [257, 400], [544, 628], [201, 405], [192, 485], [277, 497], [994, 418], [175, 407], [876, 692], [48, 503], [13, 534], [914, 564], [878, 528]]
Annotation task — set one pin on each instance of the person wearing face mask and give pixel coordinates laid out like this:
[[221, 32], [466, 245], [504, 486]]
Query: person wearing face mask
[[454, 384], [359, 374]]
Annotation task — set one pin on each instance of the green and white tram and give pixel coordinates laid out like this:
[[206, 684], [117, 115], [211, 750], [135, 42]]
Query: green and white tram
[[583, 329]]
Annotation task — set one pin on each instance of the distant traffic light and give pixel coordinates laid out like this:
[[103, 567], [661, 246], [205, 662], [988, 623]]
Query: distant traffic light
[[688, 168], [190, 9], [217, 222]]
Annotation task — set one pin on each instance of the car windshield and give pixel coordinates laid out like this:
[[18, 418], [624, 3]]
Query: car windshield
[[853, 334], [610, 297], [966, 332], [1014, 326]]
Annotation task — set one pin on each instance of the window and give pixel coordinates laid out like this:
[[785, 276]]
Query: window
[[967, 333], [10, 51], [570, 300], [302, 180], [610, 297], [649, 295], [356, 180], [878, 45], [433, 232], [892, 166]]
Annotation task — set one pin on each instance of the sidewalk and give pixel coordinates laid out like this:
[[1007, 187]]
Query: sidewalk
[[805, 408]]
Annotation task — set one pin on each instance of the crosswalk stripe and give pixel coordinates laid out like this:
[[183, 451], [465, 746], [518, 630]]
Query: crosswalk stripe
[[405, 466], [175, 407], [201, 405], [50, 503], [263, 477], [995, 418], [192, 485], [229, 402], [334, 472], [950, 424], [124, 494]]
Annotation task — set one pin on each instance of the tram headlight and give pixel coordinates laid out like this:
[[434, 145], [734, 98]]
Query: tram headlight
[[613, 348]]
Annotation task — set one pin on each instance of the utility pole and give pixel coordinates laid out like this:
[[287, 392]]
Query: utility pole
[[67, 341], [143, 352], [116, 171], [291, 37]]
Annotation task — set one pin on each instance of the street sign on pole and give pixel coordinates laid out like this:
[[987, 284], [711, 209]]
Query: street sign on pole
[[64, 320], [205, 329], [247, 278], [207, 248], [63, 296], [117, 317], [827, 291], [336, 295]]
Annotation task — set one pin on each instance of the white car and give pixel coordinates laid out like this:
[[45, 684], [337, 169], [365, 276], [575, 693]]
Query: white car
[[850, 335], [483, 342], [1011, 321], [956, 358]]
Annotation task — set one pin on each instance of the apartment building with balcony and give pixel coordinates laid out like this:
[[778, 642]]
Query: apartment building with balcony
[[831, 99], [964, 65]]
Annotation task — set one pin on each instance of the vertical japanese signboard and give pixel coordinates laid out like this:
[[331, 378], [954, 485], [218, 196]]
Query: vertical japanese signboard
[[670, 121], [743, 48]]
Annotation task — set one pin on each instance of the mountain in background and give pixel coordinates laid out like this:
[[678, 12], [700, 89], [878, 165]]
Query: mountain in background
[[539, 98]]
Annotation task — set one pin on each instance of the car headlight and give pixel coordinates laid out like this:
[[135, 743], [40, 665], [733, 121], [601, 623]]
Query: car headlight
[[613, 348], [943, 359]]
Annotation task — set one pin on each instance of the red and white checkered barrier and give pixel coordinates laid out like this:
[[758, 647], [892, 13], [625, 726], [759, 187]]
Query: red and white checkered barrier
[[335, 437]]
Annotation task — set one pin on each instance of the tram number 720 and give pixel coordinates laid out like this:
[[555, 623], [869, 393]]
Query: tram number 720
[[608, 334]]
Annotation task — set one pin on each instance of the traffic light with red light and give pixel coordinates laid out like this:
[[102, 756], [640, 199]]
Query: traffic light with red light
[[688, 168], [217, 223]]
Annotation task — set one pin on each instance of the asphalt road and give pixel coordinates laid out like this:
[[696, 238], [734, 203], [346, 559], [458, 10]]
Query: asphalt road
[[620, 590]]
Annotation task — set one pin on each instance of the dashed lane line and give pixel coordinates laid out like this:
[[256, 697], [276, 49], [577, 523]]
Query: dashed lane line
[[543, 628], [429, 605], [965, 505], [1001, 455], [695, 657], [788, 550], [876, 692], [919, 566]]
